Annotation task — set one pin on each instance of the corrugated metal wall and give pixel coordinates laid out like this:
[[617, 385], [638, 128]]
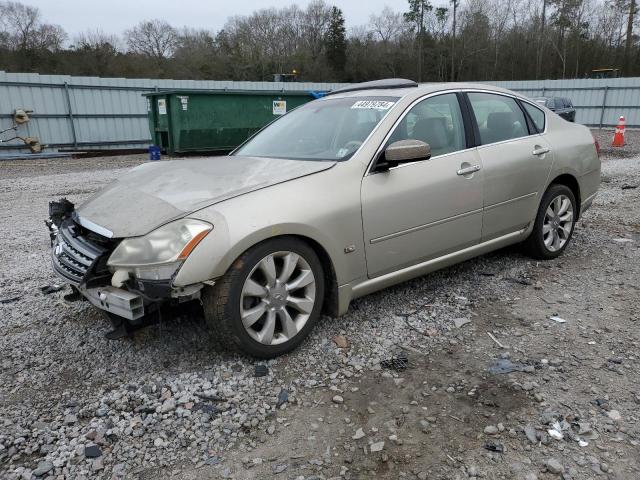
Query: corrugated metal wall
[[98, 113], [598, 102], [107, 113]]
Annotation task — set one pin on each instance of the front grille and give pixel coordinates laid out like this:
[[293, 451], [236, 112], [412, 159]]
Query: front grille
[[74, 256]]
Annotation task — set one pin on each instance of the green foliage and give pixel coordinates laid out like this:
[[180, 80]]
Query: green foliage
[[495, 40], [336, 41]]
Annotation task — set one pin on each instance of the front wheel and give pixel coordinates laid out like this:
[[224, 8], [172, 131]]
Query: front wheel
[[554, 223], [269, 299]]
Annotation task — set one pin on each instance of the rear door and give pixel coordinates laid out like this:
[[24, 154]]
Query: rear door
[[516, 161], [426, 209]]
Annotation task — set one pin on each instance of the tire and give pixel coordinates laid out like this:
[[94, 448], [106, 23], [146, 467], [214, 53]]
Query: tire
[[250, 286], [540, 245]]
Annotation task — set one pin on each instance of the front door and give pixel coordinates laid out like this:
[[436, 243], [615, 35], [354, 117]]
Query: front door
[[426, 209]]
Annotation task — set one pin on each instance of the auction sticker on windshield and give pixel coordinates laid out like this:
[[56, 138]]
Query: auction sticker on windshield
[[373, 104]]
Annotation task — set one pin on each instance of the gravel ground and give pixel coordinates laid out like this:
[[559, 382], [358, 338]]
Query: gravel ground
[[165, 404]]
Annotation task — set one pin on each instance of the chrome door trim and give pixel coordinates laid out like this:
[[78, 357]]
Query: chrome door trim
[[540, 151], [397, 122], [469, 170], [422, 227], [444, 92], [407, 273], [500, 204], [515, 97]]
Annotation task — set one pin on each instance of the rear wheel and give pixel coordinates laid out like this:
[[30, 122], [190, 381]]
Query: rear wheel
[[554, 223], [269, 300]]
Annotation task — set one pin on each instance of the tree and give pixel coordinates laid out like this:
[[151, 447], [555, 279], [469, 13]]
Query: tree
[[629, 34], [336, 42], [24, 33], [453, 39], [152, 38], [94, 53], [387, 26], [541, 39], [417, 16]]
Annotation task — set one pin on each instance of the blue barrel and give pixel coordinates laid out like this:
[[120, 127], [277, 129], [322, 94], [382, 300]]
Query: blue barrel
[[154, 152]]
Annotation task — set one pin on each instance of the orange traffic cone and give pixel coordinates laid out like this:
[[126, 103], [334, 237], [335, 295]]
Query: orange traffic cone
[[618, 138]]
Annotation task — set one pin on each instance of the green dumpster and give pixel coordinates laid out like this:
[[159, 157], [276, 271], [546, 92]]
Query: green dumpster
[[183, 121]]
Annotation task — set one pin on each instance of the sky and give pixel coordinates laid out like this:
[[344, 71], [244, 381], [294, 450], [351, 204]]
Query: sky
[[115, 16]]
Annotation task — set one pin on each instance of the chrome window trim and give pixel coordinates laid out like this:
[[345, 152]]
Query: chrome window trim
[[482, 147], [533, 104], [515, 97], [397, 122], [444, 92]]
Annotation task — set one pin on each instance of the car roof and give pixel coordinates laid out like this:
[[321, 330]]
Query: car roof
[[422, 89]]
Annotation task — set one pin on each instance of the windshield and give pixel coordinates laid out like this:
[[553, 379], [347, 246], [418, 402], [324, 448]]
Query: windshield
[[325, 129]]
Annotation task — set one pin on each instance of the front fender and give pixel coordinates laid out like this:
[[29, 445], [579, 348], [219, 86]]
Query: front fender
[[215, 254]]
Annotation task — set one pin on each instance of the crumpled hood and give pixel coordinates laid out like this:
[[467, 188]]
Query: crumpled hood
[[155, 193]]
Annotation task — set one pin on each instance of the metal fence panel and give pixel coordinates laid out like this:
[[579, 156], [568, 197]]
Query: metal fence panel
[[598, 102], [99, 113], [106, 113]]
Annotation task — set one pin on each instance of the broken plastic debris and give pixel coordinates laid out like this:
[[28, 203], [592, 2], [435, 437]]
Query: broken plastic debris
[[531, 433], [397, 362], [283, 397], [494, 447], [506, 366], [461, 322], [582, 443], [555, 318], [556, 431], [10, 300], [47, 289], [261, 370]]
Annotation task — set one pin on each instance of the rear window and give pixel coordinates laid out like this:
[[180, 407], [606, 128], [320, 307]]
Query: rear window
[[499, 117], [537, 115]]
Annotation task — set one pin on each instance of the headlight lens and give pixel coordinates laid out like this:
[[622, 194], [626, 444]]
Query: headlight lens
[[168, 244]]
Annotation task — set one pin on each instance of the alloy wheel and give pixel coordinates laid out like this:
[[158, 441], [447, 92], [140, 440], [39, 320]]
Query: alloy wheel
[[558, 223], [277, 298]]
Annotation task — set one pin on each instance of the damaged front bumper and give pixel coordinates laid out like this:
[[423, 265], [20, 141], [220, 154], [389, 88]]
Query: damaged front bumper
[[79, 256], [115, 300]]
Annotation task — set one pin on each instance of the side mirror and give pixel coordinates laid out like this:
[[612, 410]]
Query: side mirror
[[404, 151]]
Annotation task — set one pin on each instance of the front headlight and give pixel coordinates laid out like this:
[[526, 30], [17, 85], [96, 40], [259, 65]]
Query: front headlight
[[164, 249]]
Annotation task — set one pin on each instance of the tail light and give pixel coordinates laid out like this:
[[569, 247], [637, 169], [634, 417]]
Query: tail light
[[596, 144]]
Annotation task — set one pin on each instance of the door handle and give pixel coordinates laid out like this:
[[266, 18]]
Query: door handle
[[540, 151], [468, 170]]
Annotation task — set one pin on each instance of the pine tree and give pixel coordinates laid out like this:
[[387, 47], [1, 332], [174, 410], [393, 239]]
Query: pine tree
[[336, 42]]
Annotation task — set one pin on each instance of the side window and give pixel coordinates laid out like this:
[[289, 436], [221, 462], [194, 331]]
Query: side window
[[436, 121], [537, 115], [499, 118]]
